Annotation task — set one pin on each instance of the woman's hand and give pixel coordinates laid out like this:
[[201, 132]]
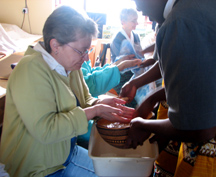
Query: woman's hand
[[129, 63], [123, 115], [118, 103], [112, 101], [111, 109], [124, 57]]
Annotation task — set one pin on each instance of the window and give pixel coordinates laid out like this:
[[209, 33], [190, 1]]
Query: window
[[76, 4], [112, 9]]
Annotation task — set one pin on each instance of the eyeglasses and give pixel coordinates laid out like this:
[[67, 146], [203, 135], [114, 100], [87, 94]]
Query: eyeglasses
[[82, 54]]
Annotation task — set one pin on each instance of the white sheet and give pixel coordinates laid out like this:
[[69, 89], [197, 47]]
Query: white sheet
[[7, 45], [14, 39], [2, 92]]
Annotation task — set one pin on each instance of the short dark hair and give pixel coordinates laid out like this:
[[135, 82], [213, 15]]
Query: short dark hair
[[65, 24]]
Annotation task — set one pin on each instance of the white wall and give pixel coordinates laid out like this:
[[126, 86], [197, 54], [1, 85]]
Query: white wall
[[39, 10]]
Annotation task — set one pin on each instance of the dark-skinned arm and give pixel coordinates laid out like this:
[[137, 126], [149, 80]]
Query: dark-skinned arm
[[129, 88], [141, 129], [148, 49]]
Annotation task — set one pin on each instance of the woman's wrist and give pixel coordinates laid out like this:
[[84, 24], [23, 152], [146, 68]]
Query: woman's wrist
[[120, 67], [91, 112]]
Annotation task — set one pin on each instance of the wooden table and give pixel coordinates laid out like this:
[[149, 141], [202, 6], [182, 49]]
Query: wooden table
[[5, 71]]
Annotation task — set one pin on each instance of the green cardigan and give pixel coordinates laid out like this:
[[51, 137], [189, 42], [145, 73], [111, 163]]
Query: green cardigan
[[41, 117]]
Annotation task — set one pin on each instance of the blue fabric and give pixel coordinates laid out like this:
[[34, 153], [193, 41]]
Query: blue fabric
[[116, 44], [100, 79], [78, 164], [121, 46], [115, 48], [142, 92], [127, 49]]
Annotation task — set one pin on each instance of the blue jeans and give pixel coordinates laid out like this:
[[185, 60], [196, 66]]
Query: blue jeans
[[78, 164]]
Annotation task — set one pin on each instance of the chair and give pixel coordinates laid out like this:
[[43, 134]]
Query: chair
[[101, 60]]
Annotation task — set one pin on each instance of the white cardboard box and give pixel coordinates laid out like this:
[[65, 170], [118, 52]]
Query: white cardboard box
[[112, 161]]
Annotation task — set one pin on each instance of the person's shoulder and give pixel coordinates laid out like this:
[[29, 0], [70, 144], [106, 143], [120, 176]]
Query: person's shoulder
[[118, 37], [30, 56], [32, 61], [185, 10], [135, 33]]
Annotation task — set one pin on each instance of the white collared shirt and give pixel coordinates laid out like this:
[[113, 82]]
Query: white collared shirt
[[168, 8], [53, 64]]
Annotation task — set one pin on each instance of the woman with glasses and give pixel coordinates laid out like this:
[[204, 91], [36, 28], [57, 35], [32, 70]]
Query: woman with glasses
[[48, 103]]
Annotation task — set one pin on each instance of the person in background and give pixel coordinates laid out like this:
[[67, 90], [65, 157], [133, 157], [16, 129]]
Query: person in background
[[187, 68], [129, 22], [48, 103]]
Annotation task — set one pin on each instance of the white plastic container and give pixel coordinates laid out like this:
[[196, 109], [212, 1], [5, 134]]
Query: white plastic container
[[112, 161]]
